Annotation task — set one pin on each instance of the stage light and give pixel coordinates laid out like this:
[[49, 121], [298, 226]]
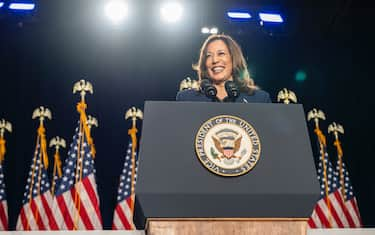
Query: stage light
[[116, 11], [1, 4], [238, 15], [270, 17], [205, 30], [214, 30], [22, 6], [171, 12], [300, 76]]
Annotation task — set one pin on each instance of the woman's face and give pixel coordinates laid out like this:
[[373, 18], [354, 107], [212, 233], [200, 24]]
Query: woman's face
[[218, 62]]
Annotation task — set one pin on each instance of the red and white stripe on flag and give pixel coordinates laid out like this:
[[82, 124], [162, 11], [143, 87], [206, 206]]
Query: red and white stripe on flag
[[78, 208], [36, 214], [3, 215], [123, 216], [336, 215], [3, 203]]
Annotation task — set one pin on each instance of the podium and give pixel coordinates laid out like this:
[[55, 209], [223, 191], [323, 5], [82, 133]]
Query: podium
[[177, 194]]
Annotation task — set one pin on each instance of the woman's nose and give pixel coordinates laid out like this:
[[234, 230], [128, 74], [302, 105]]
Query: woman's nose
[[215, 59]]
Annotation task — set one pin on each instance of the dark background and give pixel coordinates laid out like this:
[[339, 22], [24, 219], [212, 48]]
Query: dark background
[[42, 54]]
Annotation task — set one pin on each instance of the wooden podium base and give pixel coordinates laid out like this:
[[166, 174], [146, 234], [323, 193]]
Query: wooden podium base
[[227, 226]]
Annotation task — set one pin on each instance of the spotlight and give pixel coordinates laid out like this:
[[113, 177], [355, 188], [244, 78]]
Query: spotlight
[[238, 15], [269, 17], [171, 12], [116, 11], [1, 4], [22, 6], [205, 30], [214, 30]]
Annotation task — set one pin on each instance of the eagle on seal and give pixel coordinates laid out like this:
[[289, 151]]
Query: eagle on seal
[[227, 146]]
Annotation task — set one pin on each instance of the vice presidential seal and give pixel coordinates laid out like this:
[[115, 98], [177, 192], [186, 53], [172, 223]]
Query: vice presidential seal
[[227, 145]]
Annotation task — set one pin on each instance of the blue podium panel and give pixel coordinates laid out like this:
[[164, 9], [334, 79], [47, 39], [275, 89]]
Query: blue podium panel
[[173, 183]]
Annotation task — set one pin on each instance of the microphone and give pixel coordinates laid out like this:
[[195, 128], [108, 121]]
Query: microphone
[[208, 89], [232, 90]]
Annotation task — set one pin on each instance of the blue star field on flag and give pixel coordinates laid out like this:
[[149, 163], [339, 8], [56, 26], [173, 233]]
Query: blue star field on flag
[[124, 189], [36, 213], [3, 202], [69, 171], [3, 196], [332, 179], [123, 214], [76, 200], [37, 181]]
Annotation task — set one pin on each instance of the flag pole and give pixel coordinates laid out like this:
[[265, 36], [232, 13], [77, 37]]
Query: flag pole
[[133, 113], [336, 129], [82, 87], [41, 113], [316, 115], [4, 126], [58, 143], [77, 200], [85, 128], [32, 178], [90, 122]]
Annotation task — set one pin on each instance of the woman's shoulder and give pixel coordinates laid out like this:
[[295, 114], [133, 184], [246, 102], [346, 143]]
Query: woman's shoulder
[[258, 96], [190, 95]]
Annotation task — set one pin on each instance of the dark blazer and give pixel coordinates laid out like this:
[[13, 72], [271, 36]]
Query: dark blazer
[[259, 96]]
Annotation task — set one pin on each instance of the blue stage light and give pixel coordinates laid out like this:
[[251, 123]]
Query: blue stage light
[[1, 4], [238, 15], [271, 17], [22, 6]]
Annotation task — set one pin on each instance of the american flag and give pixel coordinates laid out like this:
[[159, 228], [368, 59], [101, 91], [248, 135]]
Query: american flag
[[350, 203], [329, 210], [3, 202], [123, 214], [56, 172], [36, 212], [76, 204], [56, 180]]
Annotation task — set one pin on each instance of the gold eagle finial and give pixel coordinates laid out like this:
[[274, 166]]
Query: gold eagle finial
[[83, 87], [57, 142], [316, 114], [5, 126], [91, 121], [134, 113], [42, 113], [287, 96], [336, 129], [187, 83]]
